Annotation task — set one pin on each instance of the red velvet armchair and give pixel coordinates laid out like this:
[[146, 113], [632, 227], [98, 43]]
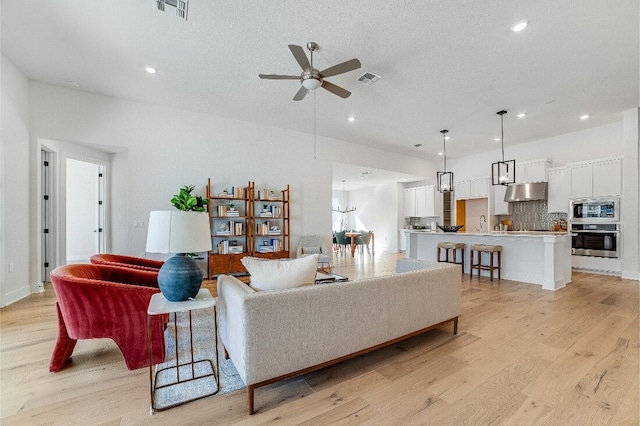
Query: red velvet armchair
[[98, 301], [127, 261]]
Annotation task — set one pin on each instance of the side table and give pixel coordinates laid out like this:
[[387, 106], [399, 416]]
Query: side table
[[158, 305]]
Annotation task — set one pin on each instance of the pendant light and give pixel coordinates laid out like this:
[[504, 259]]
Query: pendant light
[[444, 179], [503, 172], [344, 208]]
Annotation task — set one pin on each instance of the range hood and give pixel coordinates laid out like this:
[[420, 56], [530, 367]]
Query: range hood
[[526, 192]]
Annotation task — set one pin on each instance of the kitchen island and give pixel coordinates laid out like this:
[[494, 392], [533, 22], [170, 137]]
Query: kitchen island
[[542, 258]]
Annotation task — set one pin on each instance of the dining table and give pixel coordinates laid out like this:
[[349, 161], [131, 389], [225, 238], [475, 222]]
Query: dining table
[[352, 235]]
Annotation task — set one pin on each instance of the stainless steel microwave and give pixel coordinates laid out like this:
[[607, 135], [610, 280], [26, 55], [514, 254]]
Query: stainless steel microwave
[[606, 209]]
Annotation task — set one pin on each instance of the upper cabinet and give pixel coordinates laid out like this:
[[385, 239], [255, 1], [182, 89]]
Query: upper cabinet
[[472, 188], [532, 171], [500, 207], [410, 202], [595, 178], [558, 191], [463, 189], [422, 201]]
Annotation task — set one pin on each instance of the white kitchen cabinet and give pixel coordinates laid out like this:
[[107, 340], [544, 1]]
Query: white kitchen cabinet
[[558, 190], [532, 171], [595, 178], [433, 201], [581, 176], [463, 190], [410, 202], [607, 178], [480, 188], [473, 188], [500, 207], [422, 201]]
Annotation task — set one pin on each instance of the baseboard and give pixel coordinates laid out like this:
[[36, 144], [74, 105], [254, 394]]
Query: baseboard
[[631, 275]]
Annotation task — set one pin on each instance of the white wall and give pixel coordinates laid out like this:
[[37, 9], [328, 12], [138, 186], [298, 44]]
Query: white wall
[[631, 199], [597, 142], [14, 184], [377, 211], [168, 148]]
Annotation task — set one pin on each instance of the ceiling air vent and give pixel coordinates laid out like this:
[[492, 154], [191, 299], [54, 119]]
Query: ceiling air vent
[[369, 78], [181, 6]]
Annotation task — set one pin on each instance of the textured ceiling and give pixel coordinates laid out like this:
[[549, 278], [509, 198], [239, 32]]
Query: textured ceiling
[[444, 64]]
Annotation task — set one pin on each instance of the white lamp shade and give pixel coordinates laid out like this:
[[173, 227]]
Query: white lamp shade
[[175, 231]]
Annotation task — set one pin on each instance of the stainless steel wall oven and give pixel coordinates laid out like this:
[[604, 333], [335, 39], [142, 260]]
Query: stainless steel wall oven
[[595, 239]]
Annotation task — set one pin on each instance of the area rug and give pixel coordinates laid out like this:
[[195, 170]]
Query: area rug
[[198, 380]]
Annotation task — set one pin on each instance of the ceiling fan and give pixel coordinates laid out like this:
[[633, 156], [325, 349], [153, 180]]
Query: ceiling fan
[[311, 78]]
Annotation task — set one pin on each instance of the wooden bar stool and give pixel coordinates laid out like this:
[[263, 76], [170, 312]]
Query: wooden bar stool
[[451, 246], [485, 248]]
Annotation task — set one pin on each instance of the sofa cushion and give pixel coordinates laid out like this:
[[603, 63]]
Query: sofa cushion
[[282, 273]]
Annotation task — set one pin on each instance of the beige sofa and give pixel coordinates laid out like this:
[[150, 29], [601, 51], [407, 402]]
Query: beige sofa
[[274, 335]]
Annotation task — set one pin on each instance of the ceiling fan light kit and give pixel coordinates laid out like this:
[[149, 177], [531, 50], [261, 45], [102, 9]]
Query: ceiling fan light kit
[[503, 172], [311, 78]]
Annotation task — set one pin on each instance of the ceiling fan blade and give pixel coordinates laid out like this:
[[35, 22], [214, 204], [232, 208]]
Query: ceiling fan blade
[[279, 77], [301, 94], [347, 66], [301, 57], [336, 90]]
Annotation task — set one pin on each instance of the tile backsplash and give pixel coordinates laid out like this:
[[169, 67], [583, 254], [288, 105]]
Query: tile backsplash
[[532, 215]]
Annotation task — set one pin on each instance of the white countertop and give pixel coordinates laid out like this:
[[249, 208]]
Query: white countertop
[[491, 233]]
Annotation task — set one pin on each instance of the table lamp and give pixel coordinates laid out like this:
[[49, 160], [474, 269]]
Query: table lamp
[[179, 232]]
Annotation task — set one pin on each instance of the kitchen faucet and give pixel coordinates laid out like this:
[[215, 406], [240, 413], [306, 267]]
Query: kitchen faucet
[[483, 218]]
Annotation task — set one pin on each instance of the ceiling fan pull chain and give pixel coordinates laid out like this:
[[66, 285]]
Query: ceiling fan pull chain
[[314, 122]]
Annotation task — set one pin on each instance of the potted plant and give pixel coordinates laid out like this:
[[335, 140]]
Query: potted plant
[[232, 206], [186, 202], [265, 208]]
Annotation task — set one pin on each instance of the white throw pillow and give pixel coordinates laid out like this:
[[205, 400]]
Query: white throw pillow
[[279, 274]]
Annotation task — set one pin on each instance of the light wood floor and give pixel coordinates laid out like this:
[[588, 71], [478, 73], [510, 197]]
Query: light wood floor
[[523, 356]]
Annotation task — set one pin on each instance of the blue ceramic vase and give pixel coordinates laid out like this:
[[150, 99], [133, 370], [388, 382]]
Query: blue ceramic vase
[[180, 278]]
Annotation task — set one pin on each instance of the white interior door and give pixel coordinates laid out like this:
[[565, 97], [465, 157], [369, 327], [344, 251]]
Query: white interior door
[[84, 210]]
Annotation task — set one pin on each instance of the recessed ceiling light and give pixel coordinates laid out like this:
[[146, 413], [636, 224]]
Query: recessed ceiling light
[[519, 26], [440, 153], [584, 117], [496, 139], [352, 119], [521, 115], [446, 138], [150, 70]]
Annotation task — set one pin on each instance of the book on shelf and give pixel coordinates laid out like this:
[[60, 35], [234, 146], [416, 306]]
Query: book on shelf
[[223, 232], [266, 194], [235, 249]]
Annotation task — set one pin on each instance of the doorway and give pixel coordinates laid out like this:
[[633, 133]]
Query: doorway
[[47, 238], [85, 210]]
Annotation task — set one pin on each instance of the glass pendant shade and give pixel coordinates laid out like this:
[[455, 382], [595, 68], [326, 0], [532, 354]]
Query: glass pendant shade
[[444, 180], [503, 172]]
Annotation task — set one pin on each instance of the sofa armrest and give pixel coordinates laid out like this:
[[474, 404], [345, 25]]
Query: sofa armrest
[[230, 306]]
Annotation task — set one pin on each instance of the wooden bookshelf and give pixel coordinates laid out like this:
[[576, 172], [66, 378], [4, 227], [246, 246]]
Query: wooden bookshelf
[[258, 225]]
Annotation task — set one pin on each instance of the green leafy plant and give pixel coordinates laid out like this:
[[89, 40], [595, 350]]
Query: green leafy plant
[[186, 202], [232, 206]]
